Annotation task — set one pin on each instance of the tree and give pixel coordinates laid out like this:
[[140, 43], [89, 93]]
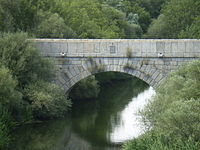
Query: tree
[[18, 15], [133, 31], [28, 68], [144, 18], [176, 18], [90, 19], [193, 31], [158, 28], [52, 26], [152, 6], [8, 10], [23, 60]]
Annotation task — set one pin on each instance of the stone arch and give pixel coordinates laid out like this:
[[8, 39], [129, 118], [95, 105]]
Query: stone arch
[[70, 76]]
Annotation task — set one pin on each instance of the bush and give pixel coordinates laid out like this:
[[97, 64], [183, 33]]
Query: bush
[[129, 53], [23, 60], [47, 100], [9, 96], [156, 140], [5, 127], [181, 85], [28, 73]]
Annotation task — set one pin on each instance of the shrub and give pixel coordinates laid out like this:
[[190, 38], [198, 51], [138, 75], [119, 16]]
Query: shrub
[[9, 96], [129, 52], [47, 100], [5, 127], [156, 140], [23, 60], [31, 74]]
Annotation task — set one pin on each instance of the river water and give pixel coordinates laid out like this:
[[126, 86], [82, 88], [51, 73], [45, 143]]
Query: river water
[[101, 124]]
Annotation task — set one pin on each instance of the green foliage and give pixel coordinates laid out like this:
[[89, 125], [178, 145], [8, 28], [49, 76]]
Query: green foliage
[[102, 18], [113, 3], [181, 119], [7, 14], [132, 18], [23, 60], [9, 96], [52, 26], [176, 21], [90, 20], [182, 86], [133, 31], [144, 16], [86, 89], [5, 127], [17, 15], [192, 31], [156, 140], [27, 68], [47, 100], [73, 19], [178, 17], [140, 17], [152, 6], [158, 28], [174, 113]]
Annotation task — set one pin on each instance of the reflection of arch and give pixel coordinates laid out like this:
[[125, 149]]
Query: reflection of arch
[[69, 76]]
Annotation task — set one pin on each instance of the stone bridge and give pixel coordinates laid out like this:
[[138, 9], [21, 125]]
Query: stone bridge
[[148, 60]]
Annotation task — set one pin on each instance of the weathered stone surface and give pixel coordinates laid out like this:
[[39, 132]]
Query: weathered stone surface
[[77, 59]]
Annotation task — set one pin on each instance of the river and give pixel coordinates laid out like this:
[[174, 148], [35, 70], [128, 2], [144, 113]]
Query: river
[[100, 124]]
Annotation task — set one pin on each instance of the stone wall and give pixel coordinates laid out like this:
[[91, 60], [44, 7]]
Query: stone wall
[[150, 70], [119, 48], [149, 60]]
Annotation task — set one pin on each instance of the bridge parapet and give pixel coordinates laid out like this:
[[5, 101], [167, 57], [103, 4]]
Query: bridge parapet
[[149, 60], [175, 48]]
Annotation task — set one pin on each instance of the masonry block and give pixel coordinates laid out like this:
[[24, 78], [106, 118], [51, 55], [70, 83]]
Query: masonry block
[[112, 53]]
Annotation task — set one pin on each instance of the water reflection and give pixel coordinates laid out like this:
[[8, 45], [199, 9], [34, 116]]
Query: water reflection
[[93, 125], [131, 128]]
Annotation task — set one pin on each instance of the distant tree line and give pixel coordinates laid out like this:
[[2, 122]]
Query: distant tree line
[[102, 18]]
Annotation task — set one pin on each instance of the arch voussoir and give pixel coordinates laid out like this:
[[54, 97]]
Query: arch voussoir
[[147, 73]]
